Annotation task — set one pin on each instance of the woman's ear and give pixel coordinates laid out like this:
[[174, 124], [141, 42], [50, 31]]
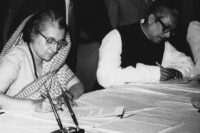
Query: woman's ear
[[151, 19]]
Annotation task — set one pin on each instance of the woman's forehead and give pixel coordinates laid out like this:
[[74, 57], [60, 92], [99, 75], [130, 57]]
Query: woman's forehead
[[47, 25], [54, 31], [52, 26]]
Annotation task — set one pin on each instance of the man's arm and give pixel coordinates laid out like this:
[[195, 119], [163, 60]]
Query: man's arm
[[193, 39], [110, 72], [172, 58]]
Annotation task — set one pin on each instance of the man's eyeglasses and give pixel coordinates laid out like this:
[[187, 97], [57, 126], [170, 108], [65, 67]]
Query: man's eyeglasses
[[165, 27], [52, 41]]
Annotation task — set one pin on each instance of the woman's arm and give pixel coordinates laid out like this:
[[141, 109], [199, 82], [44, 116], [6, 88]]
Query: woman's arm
[[11, 103], [16, 104], [10, 64], [68, 80], [9, 68], [77, 90]]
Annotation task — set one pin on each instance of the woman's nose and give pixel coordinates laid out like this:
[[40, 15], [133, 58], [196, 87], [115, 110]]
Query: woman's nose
[[54, 48]]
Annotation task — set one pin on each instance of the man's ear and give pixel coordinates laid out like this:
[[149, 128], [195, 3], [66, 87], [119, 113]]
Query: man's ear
[[151, 19]]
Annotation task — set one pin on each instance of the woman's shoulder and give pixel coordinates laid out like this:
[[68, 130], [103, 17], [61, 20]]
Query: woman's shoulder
[[19, 49], [19, 52]]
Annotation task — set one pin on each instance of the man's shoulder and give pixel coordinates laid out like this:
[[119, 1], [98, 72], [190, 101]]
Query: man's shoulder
[[113, 33], [132, 29], [129, 27]]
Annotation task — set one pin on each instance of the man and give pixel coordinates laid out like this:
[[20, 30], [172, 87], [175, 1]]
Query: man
[[193, 39], [130, 53]]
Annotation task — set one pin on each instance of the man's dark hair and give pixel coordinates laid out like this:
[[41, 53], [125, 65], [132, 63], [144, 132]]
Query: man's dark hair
[[161, 8]]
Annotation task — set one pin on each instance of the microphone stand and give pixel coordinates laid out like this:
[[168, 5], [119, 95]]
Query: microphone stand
[[61, 130], [77, 129]]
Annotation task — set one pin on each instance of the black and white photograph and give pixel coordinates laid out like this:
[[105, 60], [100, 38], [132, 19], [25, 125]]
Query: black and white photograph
[[100, 66]]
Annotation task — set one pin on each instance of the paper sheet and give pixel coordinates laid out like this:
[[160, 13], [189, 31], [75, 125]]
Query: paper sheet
[[97, 112]]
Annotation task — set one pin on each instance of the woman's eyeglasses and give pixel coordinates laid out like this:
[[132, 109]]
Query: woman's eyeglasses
[[165, 27], [52, 41]]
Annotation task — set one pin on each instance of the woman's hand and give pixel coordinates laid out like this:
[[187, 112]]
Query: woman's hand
[[61, 102], [42, 105], [45, 106]]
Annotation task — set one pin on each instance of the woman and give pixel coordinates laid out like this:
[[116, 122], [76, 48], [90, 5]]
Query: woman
[[35, 64]]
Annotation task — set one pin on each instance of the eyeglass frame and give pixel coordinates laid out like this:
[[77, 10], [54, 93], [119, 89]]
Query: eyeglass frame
[[53, 40], [165, 28]]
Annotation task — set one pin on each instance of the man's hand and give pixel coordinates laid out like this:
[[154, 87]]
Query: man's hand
[[169, 74]]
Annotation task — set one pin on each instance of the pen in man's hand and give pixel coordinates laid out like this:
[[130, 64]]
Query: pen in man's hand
[[159, 65], [164, 68]]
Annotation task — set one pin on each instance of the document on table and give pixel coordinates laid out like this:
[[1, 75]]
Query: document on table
[[88, 117], [81, 113], [97, 112], [173, 85]]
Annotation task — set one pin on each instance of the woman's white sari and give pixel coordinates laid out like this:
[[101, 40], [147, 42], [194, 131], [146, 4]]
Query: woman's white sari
[[56, 72]]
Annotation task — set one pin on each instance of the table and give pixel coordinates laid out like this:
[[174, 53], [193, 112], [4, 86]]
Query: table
[[150, 108]]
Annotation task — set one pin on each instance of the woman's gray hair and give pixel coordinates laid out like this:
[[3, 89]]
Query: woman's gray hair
[[38, 22]]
